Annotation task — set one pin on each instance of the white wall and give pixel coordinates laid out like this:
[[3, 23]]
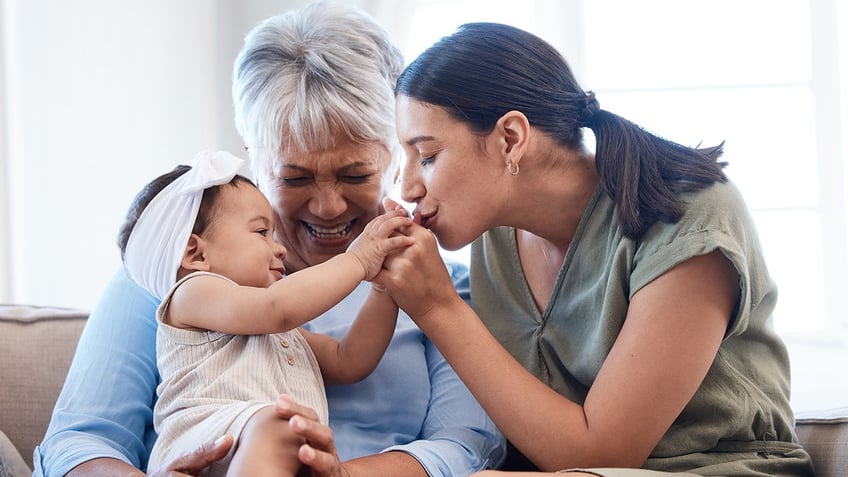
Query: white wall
[[98, 98], [5, 266]]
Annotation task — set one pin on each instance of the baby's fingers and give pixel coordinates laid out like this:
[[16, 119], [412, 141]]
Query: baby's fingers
[[388, 223], [397, 242]]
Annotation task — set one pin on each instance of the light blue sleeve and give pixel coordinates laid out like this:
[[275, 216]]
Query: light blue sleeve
[[105, 408], [458, 437]]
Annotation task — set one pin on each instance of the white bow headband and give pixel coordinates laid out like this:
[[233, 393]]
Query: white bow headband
[[157, 243]]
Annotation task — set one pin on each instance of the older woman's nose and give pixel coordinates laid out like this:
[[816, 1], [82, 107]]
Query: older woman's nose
[[328, 201]]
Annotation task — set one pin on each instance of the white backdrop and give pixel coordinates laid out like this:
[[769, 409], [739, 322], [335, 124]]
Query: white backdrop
[[96, 98]]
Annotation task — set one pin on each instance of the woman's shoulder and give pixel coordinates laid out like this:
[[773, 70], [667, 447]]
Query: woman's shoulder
[[716, 208], [719, 196], [714, 217]]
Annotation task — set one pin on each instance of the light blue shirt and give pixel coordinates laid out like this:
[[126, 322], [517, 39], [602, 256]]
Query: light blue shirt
[[413, 402]]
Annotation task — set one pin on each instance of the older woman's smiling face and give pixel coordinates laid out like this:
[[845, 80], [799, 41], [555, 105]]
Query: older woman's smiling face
[[322, 200]]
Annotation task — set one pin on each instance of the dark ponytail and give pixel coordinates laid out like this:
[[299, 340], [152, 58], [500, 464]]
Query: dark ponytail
[[644, 174], [485, 70]]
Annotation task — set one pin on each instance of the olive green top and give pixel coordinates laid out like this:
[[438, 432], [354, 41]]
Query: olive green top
[[741, 412]]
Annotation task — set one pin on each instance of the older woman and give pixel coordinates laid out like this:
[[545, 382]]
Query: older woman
[[314, 103]]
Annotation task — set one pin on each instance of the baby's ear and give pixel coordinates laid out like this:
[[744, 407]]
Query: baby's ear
[[194, 258]]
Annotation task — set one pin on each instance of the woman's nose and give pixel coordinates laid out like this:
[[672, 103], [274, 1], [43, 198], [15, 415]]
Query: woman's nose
[[328, 202], [411, 187]]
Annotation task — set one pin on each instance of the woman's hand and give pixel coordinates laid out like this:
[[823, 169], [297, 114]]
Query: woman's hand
[[416, 276], [319, 452], [198, 459]]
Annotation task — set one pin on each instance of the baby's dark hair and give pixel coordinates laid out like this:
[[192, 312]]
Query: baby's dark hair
[[154, 187]]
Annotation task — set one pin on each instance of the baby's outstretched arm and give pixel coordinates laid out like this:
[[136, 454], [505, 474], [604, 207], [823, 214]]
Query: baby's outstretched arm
[[211, 303]]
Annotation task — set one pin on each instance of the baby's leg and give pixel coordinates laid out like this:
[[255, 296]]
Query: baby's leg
[[267, 446]]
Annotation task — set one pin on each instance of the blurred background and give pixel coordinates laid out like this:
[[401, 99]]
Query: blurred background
[[97, 97]]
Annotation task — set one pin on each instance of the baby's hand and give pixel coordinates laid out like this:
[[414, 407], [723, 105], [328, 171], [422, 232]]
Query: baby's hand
[[380, 237]]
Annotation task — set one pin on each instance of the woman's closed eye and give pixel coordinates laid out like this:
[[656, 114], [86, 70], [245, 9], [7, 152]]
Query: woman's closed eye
[[428, 160]]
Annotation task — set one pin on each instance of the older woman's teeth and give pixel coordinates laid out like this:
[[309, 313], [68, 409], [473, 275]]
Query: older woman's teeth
[[329, 232]]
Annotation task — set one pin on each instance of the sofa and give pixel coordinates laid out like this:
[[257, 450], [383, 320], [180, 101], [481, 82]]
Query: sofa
[[37, 344]]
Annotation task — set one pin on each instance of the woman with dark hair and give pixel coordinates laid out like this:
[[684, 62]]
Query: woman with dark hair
[[620, 321]]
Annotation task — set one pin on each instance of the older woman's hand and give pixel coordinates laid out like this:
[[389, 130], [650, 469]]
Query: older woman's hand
[[194, 462], [319, 453]]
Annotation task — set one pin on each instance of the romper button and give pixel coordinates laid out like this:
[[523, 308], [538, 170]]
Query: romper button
[[291, 361], [284, 343]]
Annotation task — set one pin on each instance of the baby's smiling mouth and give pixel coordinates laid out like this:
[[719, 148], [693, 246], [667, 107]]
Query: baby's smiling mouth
[[335, 232]]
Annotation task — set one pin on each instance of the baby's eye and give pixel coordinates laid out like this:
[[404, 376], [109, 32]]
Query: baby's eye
[[262, 232]]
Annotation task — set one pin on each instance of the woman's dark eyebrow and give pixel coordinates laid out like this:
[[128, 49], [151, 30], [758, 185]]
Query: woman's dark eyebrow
[[417, 139]]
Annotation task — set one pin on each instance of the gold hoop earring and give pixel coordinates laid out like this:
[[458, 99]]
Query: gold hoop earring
[[509, 165]]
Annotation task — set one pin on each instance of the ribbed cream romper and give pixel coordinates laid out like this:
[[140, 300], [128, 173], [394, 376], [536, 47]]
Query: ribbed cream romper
[[213, 382]]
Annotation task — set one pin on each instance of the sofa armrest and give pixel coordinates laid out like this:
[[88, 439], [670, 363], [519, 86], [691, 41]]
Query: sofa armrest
[[38, 344]]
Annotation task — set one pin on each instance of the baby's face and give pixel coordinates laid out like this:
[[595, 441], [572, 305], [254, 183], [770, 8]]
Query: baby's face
[[239, 241]]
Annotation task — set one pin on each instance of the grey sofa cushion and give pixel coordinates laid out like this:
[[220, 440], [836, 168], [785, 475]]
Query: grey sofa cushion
[[37, 345]]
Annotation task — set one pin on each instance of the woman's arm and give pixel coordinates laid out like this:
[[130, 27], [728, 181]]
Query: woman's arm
[[105, 409], [104, 466], [102, 423], [671, 335], [358, 353], [192, 463]]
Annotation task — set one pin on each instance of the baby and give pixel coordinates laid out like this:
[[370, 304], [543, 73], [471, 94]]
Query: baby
[[201, 239]]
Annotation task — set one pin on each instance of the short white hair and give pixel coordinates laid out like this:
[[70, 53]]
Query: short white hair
[[306, 76]]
